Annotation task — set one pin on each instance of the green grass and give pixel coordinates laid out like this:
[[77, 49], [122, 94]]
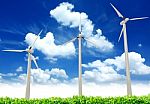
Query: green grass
[[79, 100]]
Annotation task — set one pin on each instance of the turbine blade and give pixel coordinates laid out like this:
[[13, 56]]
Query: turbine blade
[[91, 42], [118, 13], [80, 24], [14, 50], [121, 33], [138, 18], [36, 38], [72, 40], [34, 60]]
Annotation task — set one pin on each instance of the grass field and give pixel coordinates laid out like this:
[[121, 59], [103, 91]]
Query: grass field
[[79, 100]]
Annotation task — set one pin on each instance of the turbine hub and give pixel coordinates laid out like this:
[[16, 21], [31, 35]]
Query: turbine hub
[[127, 19], [124, 21], [30, 50]]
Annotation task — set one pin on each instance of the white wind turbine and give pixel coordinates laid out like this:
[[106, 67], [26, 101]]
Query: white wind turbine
[[79, 37], [29, 50], [123, 31]]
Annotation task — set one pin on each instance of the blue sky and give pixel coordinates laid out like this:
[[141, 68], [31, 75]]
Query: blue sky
[[21, 21]]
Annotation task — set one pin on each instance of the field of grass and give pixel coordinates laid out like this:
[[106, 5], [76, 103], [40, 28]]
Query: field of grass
[[79, 100]]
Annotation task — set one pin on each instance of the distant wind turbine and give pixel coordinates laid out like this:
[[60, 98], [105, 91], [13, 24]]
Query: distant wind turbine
[[79, 37], [123, 31], [29, 50]]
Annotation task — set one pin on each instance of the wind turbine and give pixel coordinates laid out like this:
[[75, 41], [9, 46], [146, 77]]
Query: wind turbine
[[79, 37], [29, 50], [123, 31]]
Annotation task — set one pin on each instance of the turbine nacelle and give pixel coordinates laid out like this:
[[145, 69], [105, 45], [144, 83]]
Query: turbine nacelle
[[124, 21], [30, 49], [80, 36]]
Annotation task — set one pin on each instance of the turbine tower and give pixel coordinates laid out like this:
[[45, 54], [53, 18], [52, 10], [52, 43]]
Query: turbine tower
[[79, 37], [124, 32], [29, 50], [80, 58]]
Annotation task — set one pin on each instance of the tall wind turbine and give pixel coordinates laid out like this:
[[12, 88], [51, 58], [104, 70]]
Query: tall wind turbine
[[123, 31], [29, 50], [79, 37]]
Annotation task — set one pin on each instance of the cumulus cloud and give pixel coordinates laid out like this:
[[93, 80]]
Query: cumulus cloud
[[107, 71], [48, 47], [65, 15], [100, 72], [60, 73], [99, 41], [137, 65], [53, 76]]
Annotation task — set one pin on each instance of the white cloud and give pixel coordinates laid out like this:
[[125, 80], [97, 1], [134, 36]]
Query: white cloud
[[59, 73], [64, 15], [22, 77], [8, 74], [107, 71], [19, 69], [40, 76], [67, 17], [100, 42], [48, 47], [69, 90], [137, 65], [53, 76], [101, 72]]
